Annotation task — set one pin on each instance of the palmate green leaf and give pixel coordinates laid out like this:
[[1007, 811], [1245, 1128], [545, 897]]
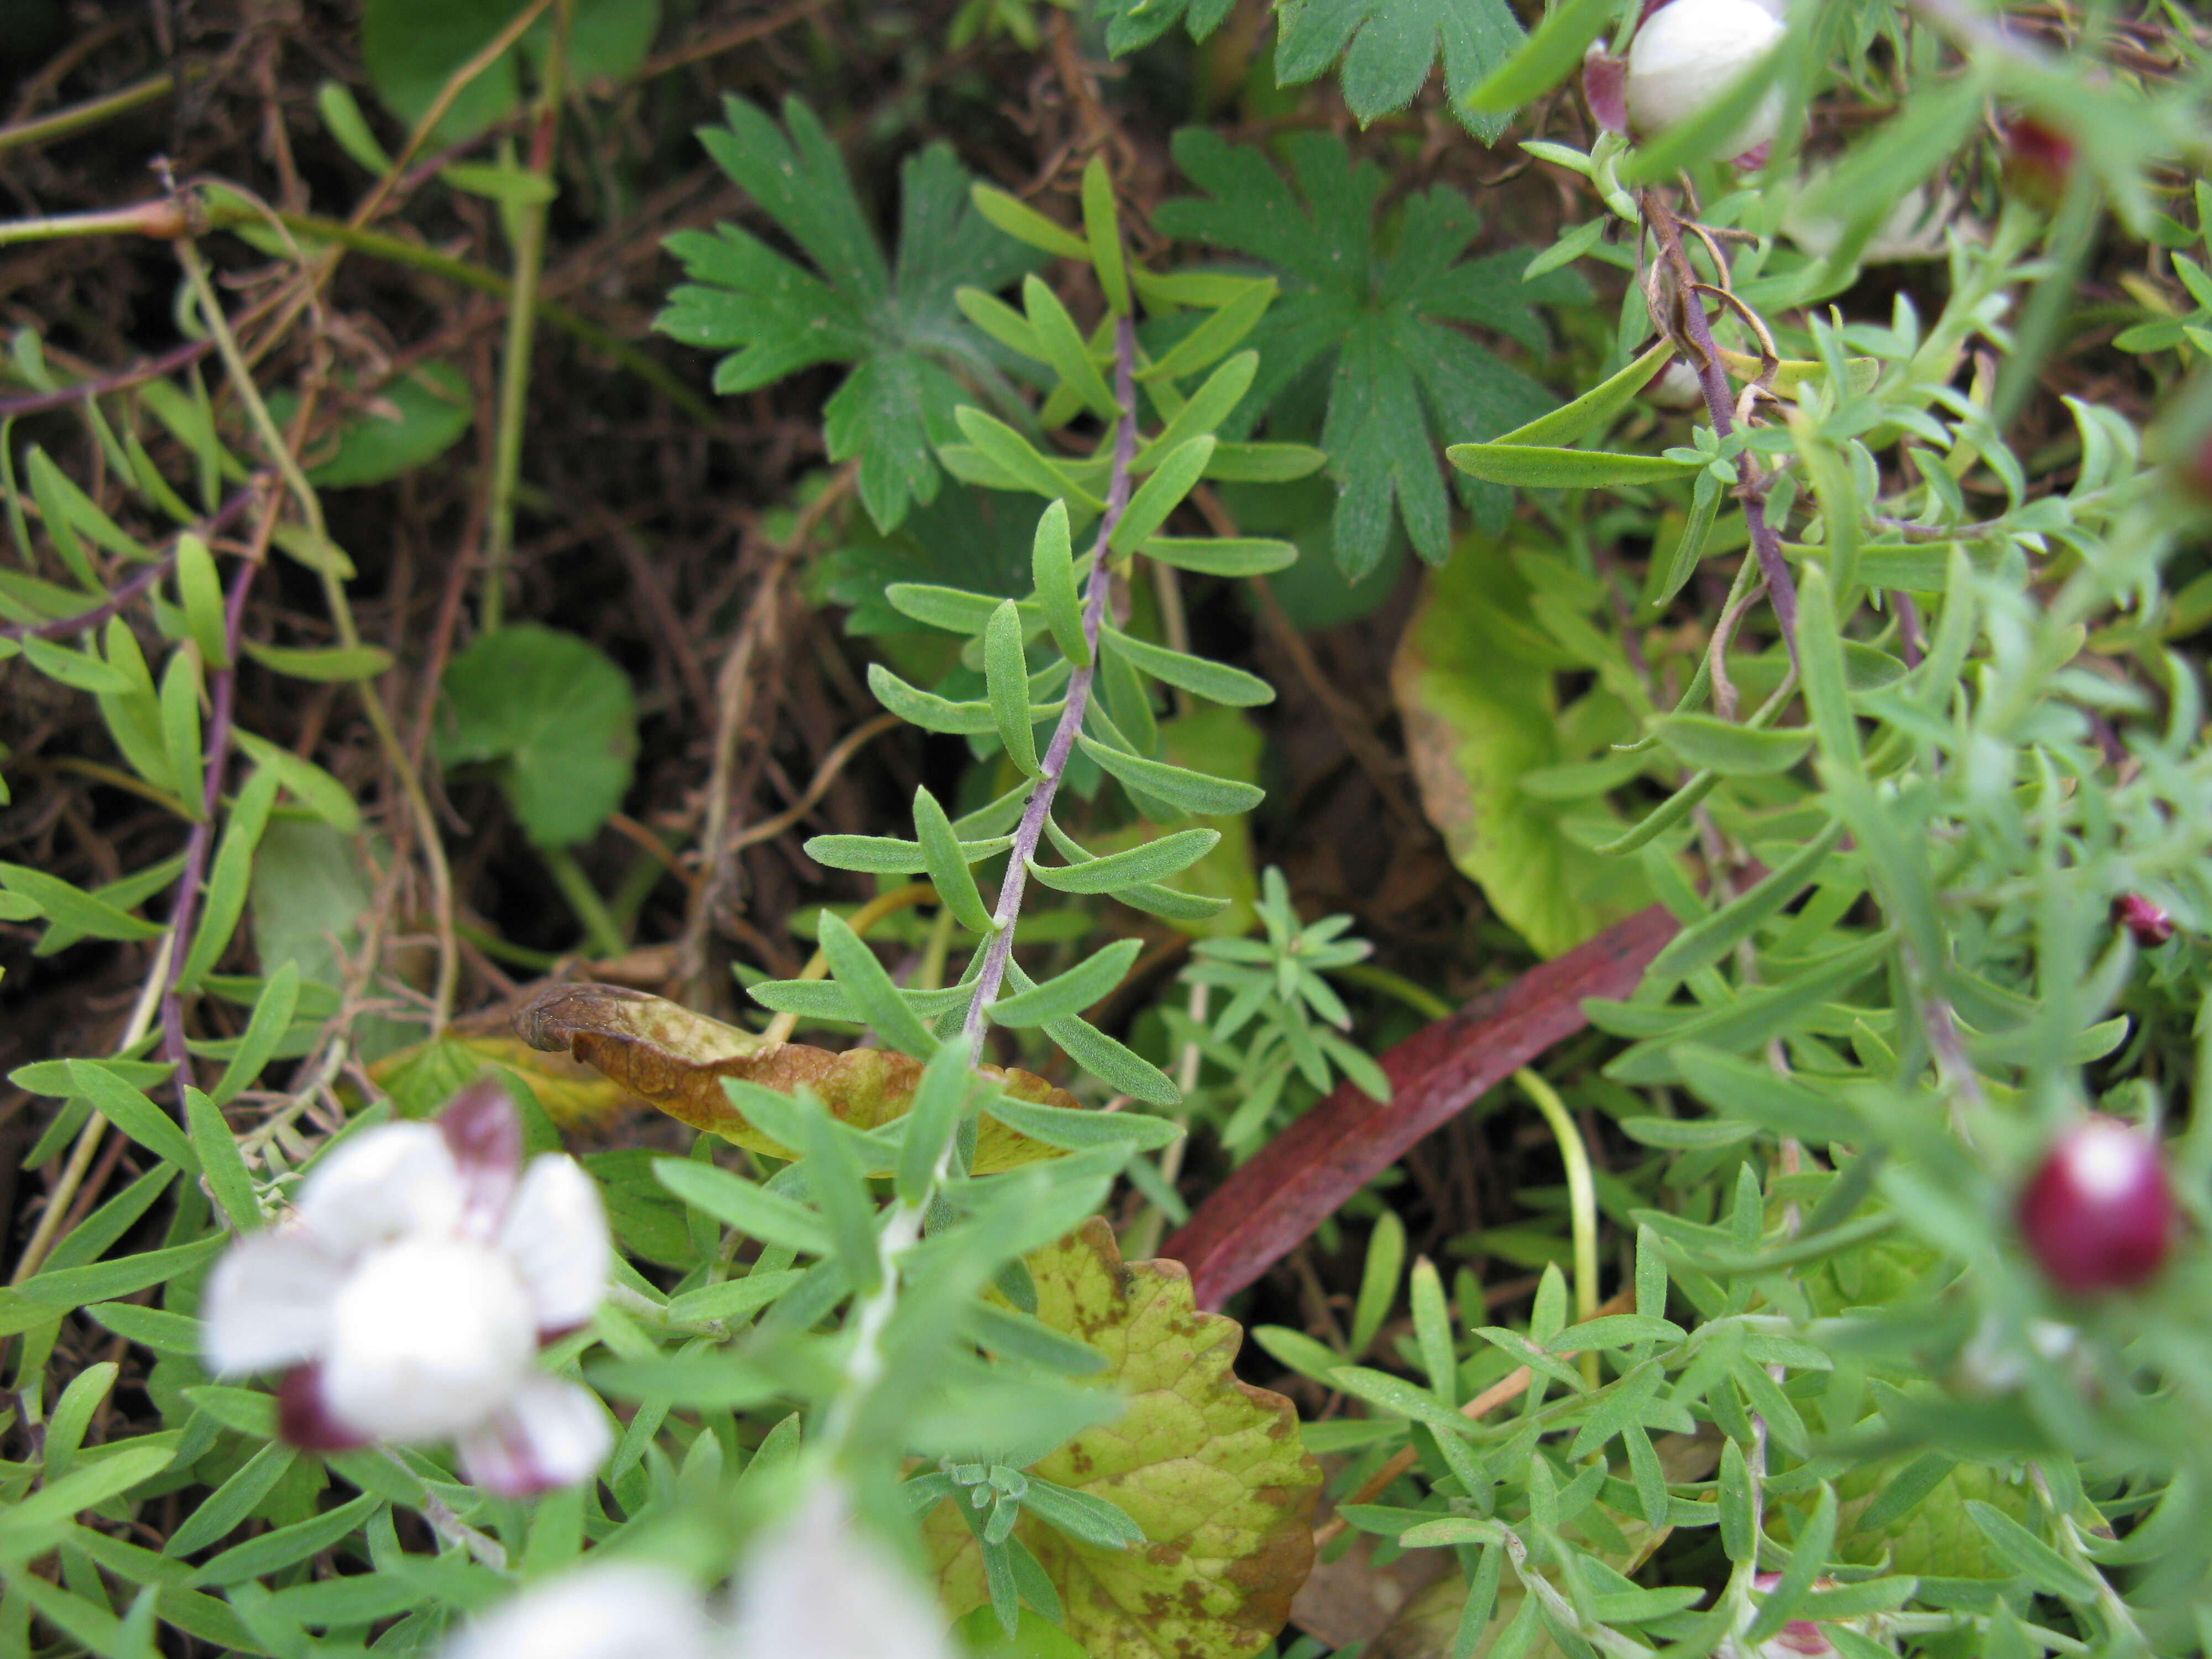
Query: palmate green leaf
[[1546, 57], [899, 326], [412, 47], [1389, 47], [554, 714], [1209, 1472], [1382, 323]]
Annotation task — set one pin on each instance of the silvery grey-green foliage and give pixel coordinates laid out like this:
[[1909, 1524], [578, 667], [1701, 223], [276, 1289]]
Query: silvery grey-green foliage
[[1918, 799]]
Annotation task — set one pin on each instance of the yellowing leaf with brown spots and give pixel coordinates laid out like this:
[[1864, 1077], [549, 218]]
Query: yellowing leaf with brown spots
[[677, 1059], [1210, 1469]]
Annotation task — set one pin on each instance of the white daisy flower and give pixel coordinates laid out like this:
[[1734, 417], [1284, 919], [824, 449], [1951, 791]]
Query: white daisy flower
[[407, 1295]]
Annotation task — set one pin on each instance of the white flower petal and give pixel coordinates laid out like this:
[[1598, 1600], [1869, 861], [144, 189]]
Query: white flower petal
[[1687, 54], [551, 1434], [817, 1585], [382, 1185], [555, 1233], [429, 1338], [620, 1611], [268, 1302]]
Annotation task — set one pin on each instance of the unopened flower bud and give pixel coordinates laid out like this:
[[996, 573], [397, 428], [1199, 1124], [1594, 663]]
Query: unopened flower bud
[[1688, 54], [1677, 386], [2099, 1213], [2038, 160], [2150, 925]]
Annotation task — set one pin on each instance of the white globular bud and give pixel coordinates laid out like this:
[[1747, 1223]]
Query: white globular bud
[[1688, 54]]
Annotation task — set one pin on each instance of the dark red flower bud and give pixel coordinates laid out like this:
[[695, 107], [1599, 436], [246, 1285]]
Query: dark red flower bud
[[2098, 1212], [2038, 160], [2197, 473], [2151, 926]]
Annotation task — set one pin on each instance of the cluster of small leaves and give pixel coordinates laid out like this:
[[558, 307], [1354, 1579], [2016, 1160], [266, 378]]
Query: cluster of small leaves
[[1282, 1017], [1051, 682], [2189, 331], [1973, 739]]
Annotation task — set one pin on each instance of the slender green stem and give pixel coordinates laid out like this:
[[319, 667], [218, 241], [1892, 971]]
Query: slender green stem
[[1582, 1199], [600, 931], [528, 224], [340, 610], [1421, 999], [500, 950], [158, 218], [45, 128]]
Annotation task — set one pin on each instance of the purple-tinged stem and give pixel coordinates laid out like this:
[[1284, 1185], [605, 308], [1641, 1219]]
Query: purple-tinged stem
[[68, 626], [154, 368], [222, 689], [1712, 379], [1029, 833]]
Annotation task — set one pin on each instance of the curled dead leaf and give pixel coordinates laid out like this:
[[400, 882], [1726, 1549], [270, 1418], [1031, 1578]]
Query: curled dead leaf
[[677, 1059]]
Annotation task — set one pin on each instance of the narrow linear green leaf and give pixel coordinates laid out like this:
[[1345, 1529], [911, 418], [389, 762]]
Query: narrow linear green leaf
[[1005, 671]]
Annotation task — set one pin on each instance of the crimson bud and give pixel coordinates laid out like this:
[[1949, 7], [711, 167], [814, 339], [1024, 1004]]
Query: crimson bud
[[2038, 160], [2099, 1213], [2149, 924]]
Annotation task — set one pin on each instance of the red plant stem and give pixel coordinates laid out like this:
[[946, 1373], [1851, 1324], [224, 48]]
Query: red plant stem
[[1713, 381], [222, 689], [1299, 1179], [1038, 808], [68, 626], [38, 403]]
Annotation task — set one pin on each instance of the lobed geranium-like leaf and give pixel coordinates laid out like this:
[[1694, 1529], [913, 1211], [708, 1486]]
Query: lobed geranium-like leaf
[[677, 1059], [1383, 319], [1212, 1470], [914, 361]]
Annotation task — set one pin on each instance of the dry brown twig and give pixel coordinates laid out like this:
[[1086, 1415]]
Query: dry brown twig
[[757, 637]]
